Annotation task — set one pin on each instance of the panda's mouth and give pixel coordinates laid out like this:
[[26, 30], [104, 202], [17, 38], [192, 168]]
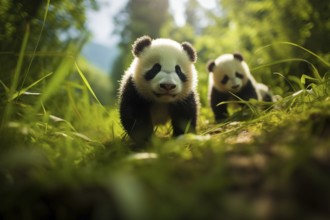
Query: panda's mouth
[[158, 95]]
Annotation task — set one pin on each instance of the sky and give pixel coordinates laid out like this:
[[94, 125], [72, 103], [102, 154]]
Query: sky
[[101, 26]]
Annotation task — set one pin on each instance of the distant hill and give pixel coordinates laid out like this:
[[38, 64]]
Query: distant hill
[[100, 55]]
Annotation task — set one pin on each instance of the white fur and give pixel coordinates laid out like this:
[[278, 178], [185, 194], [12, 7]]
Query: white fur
[[166, 78], [262, 88], [168, 54], [227, 65]]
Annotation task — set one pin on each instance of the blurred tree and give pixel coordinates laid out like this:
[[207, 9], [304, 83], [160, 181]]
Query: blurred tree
[[65, 22], [193, 26], [318, 40], [195, 16], [139, 17]]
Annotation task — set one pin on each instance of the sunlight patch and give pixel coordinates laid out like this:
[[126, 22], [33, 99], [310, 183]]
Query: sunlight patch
[[143, 156], [243, 137]]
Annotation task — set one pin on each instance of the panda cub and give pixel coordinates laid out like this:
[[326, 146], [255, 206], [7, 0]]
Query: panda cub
[[229, 73], [160, 85]]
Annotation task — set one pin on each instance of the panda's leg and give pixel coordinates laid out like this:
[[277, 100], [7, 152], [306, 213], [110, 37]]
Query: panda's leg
[[139, 128], [249, 92], [220, 111], [265, 94], [184, 115], [267, 97], [134, 114]]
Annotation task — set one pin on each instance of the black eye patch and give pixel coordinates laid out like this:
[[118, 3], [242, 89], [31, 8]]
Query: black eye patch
[[150, 74], [181, 75], [225, 79], [239, 75]]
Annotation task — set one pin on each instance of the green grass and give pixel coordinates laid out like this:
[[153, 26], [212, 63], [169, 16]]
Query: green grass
[[64, 156]]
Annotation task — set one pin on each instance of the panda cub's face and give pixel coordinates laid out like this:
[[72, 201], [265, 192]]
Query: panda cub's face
[[229, 73], [163, 69]]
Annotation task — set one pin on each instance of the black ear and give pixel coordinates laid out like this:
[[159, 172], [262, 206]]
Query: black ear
[[190, 51], [210, 65], [140, 44], [238, 56]]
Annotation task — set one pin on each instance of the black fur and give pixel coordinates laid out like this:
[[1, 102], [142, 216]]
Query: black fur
[[248, 92], [238, 56], [136, 119], [220, 111], [190, 51], [134, 111], [150, 74], [181, 75], [267, 97], [239, 75], [184, 115], [210, 65], [224, 79], [140, 44]]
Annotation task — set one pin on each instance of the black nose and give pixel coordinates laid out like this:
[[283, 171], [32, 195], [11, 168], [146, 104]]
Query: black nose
[[167, 86], [235, 86]]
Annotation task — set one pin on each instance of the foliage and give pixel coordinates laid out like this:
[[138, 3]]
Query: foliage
[[58, 22]]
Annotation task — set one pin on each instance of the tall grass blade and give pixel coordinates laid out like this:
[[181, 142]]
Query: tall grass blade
[[87, 83], [8, 110], [18, 68], [4, 87], [23, 90], [308, 51], [304, 77], [288, 81], [315, 71], [35, 49]]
